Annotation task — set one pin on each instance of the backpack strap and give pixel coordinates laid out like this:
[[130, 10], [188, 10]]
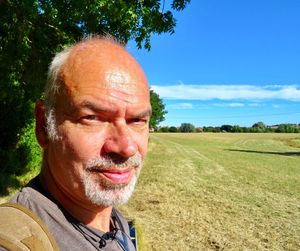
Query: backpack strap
[[21, 229]]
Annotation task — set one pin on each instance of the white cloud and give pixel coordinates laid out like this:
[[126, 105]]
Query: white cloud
[[229, 104], [227, 92], [181, 106], [236, 105], [255, 104]]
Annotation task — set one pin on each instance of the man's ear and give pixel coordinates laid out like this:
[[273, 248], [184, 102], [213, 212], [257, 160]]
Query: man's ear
[[40, 124]]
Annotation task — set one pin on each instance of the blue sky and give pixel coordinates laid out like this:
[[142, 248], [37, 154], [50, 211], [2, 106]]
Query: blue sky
[[229, 62]]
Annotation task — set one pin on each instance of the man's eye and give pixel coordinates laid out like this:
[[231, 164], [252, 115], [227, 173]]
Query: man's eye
[[90, 117], [137, 121]]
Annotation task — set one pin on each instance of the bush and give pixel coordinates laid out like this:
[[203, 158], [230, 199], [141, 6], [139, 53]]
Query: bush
[[173, 129], [226, 128], [199, 129], [163, 129], [29, 144], [24, 160], [187, 127]]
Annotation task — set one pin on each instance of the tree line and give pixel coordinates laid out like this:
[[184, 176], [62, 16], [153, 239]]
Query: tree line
[[258, 127]]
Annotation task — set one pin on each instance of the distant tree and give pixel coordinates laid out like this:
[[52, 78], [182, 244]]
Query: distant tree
[[199, 129], [287, 128], [280, 129], [173, 129], [158, 109], [290, 128], [187, 127], [236, 128], [208, 128], [163, 129], [245, 129], [259, 127], [269, 129], [226, 128], [216, 129]]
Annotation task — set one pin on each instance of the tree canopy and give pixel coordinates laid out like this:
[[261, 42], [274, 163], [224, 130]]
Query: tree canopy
[[158, 110], [187, 127], [33, 31], [259, 127]]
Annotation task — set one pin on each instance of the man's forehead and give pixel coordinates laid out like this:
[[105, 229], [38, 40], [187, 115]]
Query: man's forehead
[[97, 50], [120, 80], [115, 85], [103, 61]]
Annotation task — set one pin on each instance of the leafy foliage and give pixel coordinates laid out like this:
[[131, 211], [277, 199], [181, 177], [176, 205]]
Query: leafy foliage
[[287, 128], [158, 109], [163, 129], [226, 128], [28, 142], [172, 129], [187, 127], [25, 157], [259, 127]]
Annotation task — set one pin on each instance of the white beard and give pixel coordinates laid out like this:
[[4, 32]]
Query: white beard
[[103, 193], [108, 196]]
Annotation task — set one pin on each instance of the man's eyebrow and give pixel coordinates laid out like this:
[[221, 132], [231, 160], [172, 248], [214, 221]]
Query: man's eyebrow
[[96, 107], [146, 113]]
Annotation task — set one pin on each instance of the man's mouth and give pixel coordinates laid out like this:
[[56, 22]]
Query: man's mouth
[[117, 176]]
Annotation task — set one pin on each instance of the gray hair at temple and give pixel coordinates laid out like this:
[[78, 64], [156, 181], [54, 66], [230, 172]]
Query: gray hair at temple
[[53, 84], [54, 81]]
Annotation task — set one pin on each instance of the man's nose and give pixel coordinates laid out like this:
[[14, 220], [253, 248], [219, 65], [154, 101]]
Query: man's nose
[[120, 141]]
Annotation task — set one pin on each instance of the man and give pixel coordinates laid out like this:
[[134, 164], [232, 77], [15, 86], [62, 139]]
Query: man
[[93, 129]]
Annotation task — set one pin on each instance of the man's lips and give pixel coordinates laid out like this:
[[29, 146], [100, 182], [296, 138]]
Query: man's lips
[[117, 176]]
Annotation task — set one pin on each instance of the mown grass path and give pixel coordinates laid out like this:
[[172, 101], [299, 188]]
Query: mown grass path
[[219, 192]]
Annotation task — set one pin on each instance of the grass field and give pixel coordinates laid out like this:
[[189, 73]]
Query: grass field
[[219, 192]]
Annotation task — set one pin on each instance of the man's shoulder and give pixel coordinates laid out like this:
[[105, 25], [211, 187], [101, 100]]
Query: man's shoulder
[[24, 220], [52, 216], [24, 195], [32, 197], [21, 229]]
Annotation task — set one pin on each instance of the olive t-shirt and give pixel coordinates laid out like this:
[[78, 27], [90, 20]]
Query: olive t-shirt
[[67, 231]]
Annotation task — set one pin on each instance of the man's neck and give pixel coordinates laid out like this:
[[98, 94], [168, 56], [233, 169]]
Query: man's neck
[[84, 211]]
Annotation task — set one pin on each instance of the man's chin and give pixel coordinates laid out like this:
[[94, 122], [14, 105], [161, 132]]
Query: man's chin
[[108, 193], [108, 185]]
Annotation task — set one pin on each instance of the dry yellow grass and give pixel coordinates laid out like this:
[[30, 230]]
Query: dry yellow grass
[[219, 192]]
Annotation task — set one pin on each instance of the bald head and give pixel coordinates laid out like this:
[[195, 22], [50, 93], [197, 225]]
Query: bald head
[[100, 59]]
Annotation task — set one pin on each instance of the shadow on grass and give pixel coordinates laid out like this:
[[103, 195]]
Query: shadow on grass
[[266, 152]]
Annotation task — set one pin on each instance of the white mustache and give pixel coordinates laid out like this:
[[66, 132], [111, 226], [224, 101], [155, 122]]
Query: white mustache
[[116, 162]]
